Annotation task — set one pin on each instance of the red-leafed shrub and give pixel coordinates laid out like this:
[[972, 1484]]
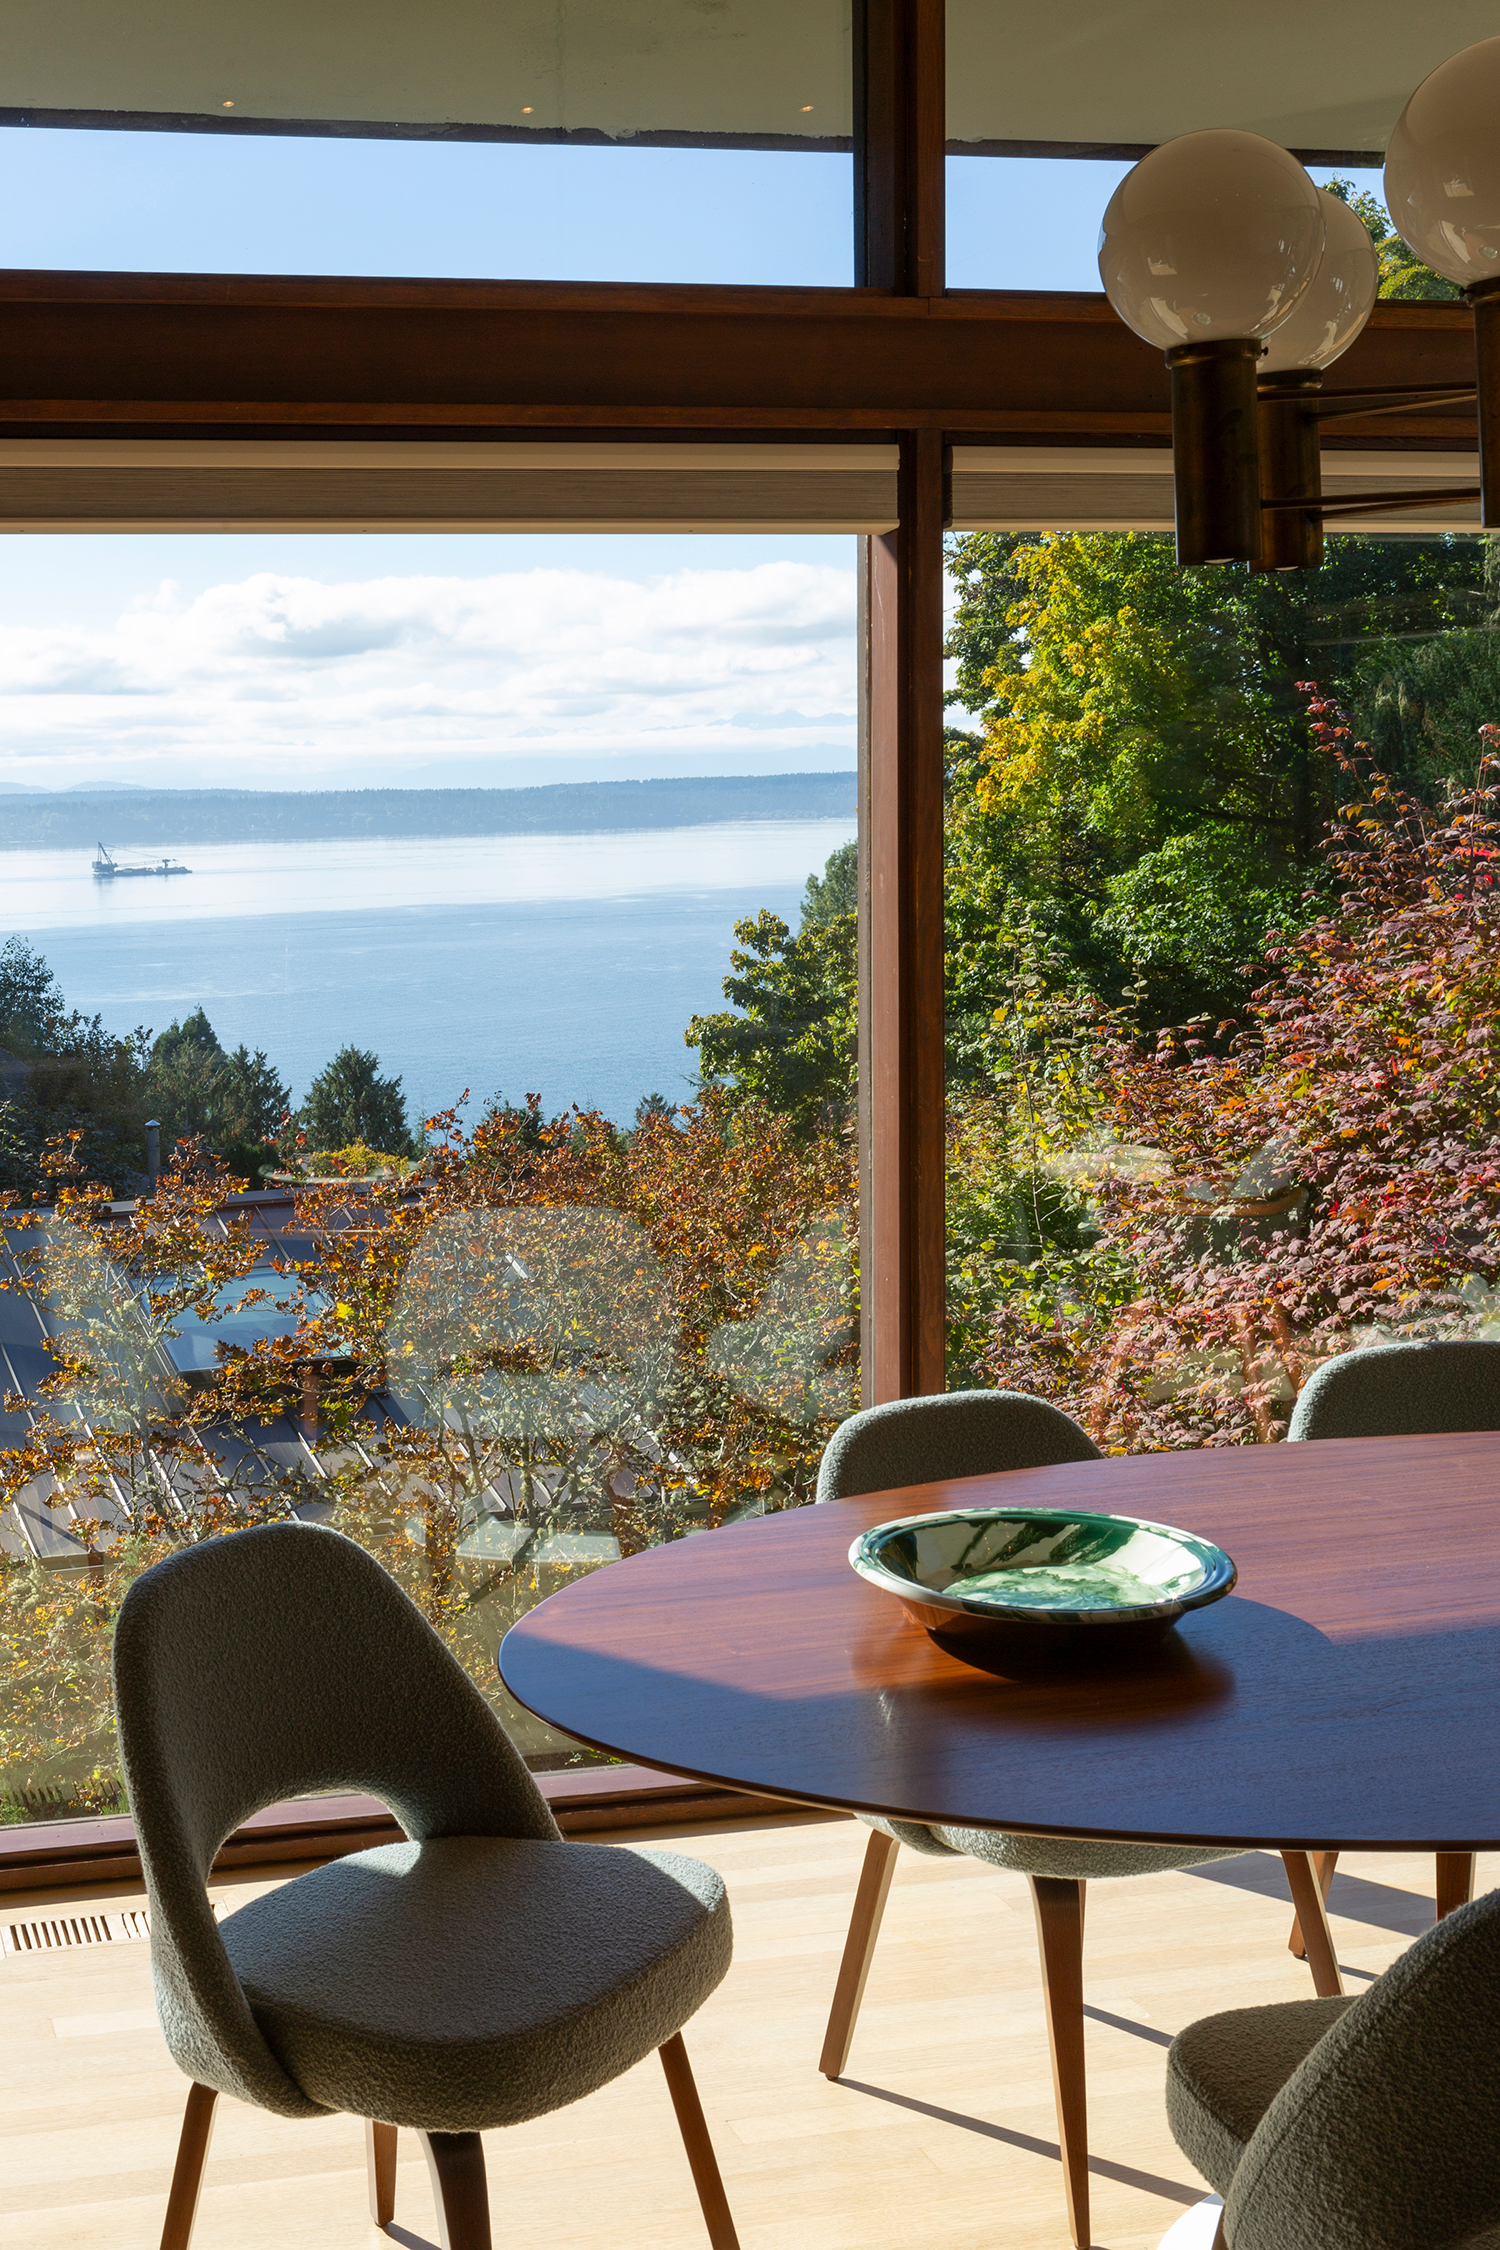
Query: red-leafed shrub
[[1330, 1168]]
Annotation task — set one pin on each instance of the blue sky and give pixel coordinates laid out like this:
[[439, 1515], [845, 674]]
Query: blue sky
[[218, 203], [91, 627]]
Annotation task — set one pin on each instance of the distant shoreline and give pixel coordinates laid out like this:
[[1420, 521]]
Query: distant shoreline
[[221, 816]]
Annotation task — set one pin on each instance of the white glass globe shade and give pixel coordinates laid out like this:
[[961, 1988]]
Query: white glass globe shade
[[1212, 235], [1442, 169], [1337, 301]]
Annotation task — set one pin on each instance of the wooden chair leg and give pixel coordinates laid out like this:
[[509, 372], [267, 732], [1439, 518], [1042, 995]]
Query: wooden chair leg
[[1325, 1863], [455, 2162], [1059, 1931], [693, 2126], [187, 2175], [1312, 1915], [859, 1950], [380, 2163], [1455, 1881]]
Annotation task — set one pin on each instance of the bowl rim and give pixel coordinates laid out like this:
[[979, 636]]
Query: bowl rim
[[1221, 1573]]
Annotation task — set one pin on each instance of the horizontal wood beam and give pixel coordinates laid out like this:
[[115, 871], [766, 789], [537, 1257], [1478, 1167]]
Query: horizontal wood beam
[[111, 354]]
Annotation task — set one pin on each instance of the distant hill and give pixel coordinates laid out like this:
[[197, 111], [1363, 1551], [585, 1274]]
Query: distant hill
[[224, 816]]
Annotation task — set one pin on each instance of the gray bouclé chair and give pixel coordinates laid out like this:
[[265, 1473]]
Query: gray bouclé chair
[[1362, 2124], [926, 1441], [1433, 1389], [480, 1974]]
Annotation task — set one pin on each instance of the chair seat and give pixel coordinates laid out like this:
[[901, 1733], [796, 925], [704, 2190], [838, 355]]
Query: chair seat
[[1224, 2071], [1074, 1859], [474, 1981]]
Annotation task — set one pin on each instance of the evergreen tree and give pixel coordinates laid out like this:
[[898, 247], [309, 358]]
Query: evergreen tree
[[350, 1102], [255, 1098], [234, 1103], [194, 1035]]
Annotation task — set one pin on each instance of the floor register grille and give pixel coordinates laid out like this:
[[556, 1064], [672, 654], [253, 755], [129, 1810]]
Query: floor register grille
[[79, 1929]]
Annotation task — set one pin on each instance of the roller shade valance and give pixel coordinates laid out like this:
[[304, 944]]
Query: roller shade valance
[[1066, 488], [130, 485]]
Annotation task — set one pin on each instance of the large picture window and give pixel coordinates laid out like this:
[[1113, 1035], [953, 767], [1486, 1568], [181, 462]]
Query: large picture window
[[1221, 1095], [470, 1166]]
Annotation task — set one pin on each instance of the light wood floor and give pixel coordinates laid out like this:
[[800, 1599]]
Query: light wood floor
[[941, 2138]]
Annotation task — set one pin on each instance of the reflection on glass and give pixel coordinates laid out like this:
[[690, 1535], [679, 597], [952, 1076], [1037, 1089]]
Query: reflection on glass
[[543, 1346]]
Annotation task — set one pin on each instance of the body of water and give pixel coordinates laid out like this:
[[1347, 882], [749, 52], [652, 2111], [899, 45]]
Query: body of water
[[566, 966]]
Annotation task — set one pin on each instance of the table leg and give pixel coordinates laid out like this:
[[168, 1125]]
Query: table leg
[[1059, 1930], [1312, 1915], [1325, 1863], [859, 1951]]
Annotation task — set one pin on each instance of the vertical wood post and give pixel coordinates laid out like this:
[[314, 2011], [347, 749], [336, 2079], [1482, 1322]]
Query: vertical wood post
[[900, 123], [899, 127], [903, 1221]]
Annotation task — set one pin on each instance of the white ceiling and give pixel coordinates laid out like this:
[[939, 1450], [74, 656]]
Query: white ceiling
[[1313, 74]]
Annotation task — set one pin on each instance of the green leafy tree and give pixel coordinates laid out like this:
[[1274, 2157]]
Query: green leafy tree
[[1124, 707], [349, 1101], [62, 1074], [793, 1042], [30, 999], [836, 891], [1402, 273]]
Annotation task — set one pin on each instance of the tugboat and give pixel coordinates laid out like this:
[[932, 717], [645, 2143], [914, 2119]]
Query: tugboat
[[108, 868]]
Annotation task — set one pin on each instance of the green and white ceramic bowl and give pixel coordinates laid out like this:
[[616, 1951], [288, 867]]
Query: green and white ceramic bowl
[[1043, 1580]]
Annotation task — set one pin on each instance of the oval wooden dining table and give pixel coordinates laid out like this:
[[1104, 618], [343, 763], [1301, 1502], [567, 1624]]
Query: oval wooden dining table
[[1346, 1694], [1344, 1697]]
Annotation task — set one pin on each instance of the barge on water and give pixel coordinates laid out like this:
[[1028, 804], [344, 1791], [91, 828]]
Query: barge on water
[[108, 868]]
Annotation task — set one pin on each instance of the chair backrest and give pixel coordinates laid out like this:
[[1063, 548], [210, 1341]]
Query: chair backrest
[[272, 1663], [1388, 2136], [958, 1434], [1401, 1390]]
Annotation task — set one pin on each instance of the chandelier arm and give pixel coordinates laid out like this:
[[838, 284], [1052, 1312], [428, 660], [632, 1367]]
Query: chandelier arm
[[1374, 503], [1356, 406]]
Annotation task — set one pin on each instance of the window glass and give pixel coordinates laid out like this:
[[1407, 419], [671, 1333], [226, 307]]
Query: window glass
[[1032, 222], [1221, 935], [157, 202], [427, 1065]]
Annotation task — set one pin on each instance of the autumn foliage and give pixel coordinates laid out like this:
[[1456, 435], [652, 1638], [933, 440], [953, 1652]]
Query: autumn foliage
[[548, 1342], [1323, 1173]]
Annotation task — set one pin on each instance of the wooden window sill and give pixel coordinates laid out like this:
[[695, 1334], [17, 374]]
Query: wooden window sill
[[83, 1852]]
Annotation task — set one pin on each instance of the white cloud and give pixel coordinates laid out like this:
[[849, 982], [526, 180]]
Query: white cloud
[[295, 681]]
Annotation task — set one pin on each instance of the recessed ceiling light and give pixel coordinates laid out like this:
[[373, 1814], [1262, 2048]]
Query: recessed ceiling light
[[526, 109], [226, 105], [806, 107]]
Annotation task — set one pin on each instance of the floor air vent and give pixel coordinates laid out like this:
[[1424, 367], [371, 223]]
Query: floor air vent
[[79, 1929]]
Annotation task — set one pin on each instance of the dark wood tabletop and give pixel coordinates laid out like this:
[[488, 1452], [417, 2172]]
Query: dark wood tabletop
[[1346, 1694]]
